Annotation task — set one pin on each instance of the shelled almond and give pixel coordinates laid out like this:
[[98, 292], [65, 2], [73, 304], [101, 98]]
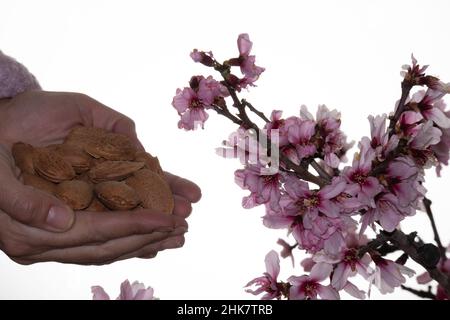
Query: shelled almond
[[96, 170]]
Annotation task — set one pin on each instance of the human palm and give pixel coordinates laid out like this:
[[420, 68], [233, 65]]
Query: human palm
[[31, 221]]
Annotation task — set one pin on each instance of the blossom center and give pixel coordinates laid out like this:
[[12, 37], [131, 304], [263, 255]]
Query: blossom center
[[195, 103], [351, 257], [311, 202], [310, 289], [359, 177]]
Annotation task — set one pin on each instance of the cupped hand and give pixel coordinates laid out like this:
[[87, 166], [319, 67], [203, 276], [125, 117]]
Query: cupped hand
[[31, 221]]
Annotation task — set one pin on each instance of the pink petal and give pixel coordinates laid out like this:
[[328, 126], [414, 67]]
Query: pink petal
[[340, 276], [296, 294], [277, 221], [99, 293], [321, 271], [332, 160], [307, 264], [438, 117], [272, 264], [327, 293], [244, 44], [329, 208], [353, 290], [144, 294], [333, 190], [305, 114], [126, 292]]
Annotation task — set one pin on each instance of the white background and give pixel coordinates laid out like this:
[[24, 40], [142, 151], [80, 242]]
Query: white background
[[132, 55]]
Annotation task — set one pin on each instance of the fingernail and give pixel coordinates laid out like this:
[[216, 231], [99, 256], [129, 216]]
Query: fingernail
[[60, 218]]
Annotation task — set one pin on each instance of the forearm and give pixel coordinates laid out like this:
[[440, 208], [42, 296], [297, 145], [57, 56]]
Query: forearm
[[14, 77]]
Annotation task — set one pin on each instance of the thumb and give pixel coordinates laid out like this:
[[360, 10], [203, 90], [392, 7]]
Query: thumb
[[33, 207]]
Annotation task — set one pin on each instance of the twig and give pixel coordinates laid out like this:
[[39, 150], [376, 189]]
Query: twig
[[254, 110], [379, 241], [406, 88], [437, 239], [226, 113], [421, 293], [321, 171], [246, 122], [402, 241], [412, 248]]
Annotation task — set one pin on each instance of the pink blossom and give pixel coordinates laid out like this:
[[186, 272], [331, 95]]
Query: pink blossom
[[268, 282], [380, 140], [301, 200], [192, 102], [441, 150], [277, 123], [424, 102], [347, 261], [414, 71], [135, 291], [387, 211], [408, 122], [426, 136], [331, 141], [300, 135], [205, 58], [358, 176], [310, 287], [264, 188], [243, 144], [388, 275], [247, 62], [402, 178]]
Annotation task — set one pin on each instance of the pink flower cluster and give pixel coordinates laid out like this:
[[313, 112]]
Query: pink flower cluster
[[134, 291], [382, 186]]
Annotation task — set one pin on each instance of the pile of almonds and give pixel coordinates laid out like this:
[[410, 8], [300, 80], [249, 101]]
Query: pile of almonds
[[96, 170]]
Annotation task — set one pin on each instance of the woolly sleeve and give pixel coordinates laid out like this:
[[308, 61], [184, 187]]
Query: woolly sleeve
[[14, 77]]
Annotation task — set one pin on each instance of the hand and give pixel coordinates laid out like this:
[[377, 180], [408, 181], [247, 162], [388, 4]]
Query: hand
[[29, 217]]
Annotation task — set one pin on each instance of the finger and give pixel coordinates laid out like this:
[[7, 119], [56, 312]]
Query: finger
[[97, 254], [100, 227], [150, 251], [182, 208], [183, 187], [104, 117], [31, 206]]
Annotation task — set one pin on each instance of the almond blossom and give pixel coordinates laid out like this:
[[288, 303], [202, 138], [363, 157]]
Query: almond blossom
[[310, 287], [307, 192], [134, 291]]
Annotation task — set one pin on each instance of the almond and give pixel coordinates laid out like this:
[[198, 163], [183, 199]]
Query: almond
[[111, 146], [51, 166], [154, 192], [76, 194], [38, 183], [113, 170], [151, 162], [117, 195], [96, 206], [23, 156]]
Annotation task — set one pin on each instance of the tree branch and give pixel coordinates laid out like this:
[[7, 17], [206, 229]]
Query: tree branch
[[321, 171], [403, 242], [406, 88], [420, 293], [416, 250], [437, 239], [254, 110]]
